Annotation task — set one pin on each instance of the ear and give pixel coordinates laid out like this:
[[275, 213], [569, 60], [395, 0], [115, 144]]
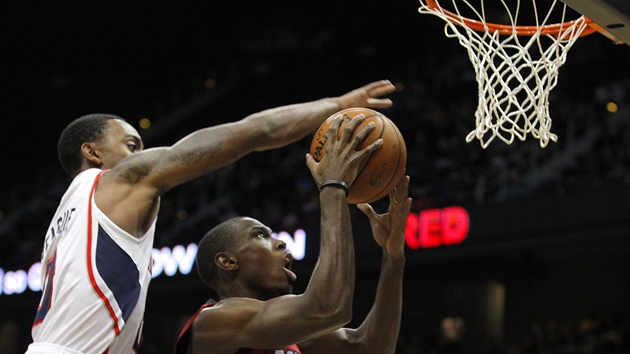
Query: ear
[[90, 152], [226, 261]]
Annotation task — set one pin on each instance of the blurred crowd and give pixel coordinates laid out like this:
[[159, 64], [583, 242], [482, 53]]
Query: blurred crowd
[[590, 334]]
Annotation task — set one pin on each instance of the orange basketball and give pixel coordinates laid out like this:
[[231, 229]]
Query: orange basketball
[[381, 171]]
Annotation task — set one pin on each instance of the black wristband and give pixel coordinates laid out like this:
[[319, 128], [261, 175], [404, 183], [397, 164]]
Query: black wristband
[[335, 183]]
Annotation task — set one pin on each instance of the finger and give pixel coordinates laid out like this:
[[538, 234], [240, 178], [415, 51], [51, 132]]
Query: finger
[[367, 151], [377, 144], [393, 196], [404, 193], [408, 205], [378, 88], [367, 210], [349, 129], [403, 186], [311, 163], [382, 90], [334, 126], [379, 102], [399, 195], [362, 134], [333, 133]]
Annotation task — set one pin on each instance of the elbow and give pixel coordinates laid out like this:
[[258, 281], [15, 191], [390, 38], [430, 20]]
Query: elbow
[[345, 317], [345, 303], [343, 313], [330, 313], [337, 313], [342, 308], [338, 318]]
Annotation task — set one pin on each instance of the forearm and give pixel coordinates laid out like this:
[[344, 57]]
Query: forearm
[[268, 129], [287, 124], [379, 332], [332, 284], [209, 149], [284, 125]]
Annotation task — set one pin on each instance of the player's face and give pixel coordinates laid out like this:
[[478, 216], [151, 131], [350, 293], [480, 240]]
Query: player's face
[[119, 141], [264, 262]]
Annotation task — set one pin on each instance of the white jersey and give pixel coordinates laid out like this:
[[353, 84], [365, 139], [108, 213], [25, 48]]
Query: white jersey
[[95, 278]]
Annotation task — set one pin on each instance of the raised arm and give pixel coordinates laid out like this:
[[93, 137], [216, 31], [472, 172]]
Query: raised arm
[[379, 331], [326, 303], [211, 148], [128, 194]]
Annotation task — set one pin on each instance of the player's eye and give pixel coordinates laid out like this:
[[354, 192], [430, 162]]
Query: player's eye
[[132, 147]]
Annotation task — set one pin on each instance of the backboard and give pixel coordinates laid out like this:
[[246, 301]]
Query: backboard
[[612, 15]]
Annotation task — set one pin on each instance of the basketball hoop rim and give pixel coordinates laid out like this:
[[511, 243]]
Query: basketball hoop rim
[[479, 26]]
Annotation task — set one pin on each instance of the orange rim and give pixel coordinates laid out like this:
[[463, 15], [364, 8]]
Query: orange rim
[[480, 26]]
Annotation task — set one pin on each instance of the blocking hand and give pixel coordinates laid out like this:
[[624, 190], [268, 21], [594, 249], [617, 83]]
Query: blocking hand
[[366, 96]]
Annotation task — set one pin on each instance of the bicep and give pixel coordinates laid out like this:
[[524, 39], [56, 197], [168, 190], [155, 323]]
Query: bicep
[[199, 153], [131, 205]]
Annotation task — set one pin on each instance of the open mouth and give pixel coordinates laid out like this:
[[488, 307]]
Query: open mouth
[[288, 262]]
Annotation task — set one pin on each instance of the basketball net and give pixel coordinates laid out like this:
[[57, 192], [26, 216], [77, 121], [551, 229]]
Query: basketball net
[[516, 66]]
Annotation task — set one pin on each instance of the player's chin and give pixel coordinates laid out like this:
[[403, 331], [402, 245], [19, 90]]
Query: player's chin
[[288, 289], [280, 291]]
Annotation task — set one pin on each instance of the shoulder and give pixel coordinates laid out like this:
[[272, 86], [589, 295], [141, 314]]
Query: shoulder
[[230, 304], [183, 340], [88, 174], [235, 311], [84, 180]]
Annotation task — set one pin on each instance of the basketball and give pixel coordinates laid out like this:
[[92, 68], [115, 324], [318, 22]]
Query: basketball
[[381, 171]]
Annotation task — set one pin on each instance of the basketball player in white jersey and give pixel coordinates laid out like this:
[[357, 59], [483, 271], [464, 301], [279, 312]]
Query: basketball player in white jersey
[[96, 259]]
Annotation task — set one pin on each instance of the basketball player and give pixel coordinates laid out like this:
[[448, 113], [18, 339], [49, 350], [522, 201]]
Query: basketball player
[[251, 274], [96, 259]]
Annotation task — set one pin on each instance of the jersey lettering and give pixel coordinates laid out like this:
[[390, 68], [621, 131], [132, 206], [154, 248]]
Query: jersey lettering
[[62, 224], [47, 289]]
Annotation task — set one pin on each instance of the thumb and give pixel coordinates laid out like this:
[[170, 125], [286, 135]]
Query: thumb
[[367, 210], [310, 162]]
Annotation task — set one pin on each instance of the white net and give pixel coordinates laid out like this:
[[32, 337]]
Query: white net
[[514, 73]]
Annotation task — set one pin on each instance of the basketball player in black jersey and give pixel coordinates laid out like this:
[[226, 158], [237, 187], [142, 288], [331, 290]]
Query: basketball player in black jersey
[[250, 271]]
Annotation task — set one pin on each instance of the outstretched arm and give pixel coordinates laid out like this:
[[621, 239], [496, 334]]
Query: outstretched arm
[[379, 331], [211, 148], [133, 185]]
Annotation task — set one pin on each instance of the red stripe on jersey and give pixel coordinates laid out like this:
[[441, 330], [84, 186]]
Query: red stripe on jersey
[[89, 260]]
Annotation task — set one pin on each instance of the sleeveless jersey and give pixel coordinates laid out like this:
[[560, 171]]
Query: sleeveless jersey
[[181, 347], [95, 278]]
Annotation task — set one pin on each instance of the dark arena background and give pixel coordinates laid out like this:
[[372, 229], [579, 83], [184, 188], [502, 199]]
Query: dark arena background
[[535, 258]]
